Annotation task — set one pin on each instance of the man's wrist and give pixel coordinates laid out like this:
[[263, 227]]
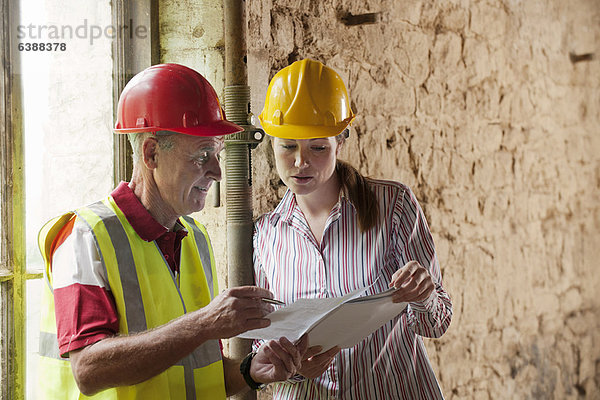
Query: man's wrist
[[245, 370]]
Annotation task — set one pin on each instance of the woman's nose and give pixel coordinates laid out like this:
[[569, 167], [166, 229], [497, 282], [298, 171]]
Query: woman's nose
[[301, 158]]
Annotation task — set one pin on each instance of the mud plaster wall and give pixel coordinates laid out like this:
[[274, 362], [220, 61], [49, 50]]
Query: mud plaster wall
[[477, 106]]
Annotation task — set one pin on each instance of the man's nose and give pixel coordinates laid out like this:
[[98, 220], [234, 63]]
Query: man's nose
[[214, 169]]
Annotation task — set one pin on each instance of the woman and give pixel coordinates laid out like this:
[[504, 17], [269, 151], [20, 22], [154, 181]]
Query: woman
[[336, 231]]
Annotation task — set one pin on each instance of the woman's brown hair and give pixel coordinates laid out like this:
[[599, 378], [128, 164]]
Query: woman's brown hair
[[361, 196]]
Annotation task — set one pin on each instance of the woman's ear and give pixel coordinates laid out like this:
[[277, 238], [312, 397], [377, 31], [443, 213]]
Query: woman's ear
[[340, 140], [338, 146], [150, 152]]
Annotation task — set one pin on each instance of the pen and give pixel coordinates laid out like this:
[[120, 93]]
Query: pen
[[273, 301]]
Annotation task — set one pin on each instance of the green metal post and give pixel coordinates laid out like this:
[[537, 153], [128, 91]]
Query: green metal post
[[13, 211]]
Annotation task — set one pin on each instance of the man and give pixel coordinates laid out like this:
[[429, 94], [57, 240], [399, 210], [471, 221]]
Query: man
[[131, 280]]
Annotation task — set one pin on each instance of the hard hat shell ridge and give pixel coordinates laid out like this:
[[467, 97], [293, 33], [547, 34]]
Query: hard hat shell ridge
[[174, 98]]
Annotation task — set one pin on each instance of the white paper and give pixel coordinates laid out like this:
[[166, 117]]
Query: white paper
[[342, 321], [353, 321]]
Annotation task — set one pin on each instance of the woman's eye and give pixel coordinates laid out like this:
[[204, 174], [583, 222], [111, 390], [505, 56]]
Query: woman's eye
[[319, 148], [288, 146]]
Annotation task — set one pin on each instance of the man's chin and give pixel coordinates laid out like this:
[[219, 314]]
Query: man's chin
[[195, 206]]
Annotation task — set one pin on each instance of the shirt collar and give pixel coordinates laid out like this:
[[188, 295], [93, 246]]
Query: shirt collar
[[140, 219], [288, 207]]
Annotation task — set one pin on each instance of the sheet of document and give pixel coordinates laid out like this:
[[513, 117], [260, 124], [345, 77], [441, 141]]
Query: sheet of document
[[294, 320], [342, 321], [349, 324]]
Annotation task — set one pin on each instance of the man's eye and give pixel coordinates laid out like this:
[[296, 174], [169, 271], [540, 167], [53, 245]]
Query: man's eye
[[288, 146], [202, 158], [319, 148]]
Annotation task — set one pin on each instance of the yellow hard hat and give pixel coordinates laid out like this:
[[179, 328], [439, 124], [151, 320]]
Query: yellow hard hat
[[306, 100]]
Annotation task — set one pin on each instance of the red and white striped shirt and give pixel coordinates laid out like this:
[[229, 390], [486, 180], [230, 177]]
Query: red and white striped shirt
[[392, 362]]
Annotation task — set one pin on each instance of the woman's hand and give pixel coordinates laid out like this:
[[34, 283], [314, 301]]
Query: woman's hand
[[277, 360], [413, 283], [315, 364]]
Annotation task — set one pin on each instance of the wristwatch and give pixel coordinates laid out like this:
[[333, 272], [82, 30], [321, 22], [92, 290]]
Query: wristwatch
[[245, 370]]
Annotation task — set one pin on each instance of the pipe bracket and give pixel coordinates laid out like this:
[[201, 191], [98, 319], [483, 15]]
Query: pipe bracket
[[251, 135]]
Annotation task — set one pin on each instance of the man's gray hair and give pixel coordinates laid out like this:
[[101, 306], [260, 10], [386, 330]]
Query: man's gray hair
[[164, 139]]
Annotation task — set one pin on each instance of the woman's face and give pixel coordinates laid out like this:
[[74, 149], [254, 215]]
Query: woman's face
[[305, 165]]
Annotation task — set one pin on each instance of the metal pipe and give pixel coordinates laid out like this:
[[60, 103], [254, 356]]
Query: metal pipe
[[236, 71], [216, 194], [237, 163]]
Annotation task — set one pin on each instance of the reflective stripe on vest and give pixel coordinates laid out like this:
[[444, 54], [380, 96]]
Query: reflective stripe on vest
[[132, 299], [49, 345], [203, 248], [136, 320]]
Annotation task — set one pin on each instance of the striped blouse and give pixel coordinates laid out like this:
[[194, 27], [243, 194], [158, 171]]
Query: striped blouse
[[392, 362]]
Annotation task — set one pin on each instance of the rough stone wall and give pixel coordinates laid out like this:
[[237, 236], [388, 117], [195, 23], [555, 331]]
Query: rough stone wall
[[477, 106]]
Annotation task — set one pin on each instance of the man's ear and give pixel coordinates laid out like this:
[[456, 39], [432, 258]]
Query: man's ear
[[150, 152]]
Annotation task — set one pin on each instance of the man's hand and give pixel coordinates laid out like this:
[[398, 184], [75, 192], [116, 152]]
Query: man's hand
[[314, 363], [413, 283], [277, 360], [236, 310]]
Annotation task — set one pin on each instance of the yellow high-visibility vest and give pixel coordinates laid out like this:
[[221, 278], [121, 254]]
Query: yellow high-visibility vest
[[146, 295]]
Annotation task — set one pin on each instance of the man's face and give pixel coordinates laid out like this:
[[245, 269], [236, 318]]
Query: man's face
[[185, 172]]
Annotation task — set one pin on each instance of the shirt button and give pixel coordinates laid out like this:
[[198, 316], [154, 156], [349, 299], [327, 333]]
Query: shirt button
[[166, 257]]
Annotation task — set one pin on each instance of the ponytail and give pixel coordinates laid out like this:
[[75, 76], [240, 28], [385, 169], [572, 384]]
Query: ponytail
[[361, 196]]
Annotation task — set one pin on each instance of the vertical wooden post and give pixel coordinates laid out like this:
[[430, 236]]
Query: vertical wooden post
[[12, 243]]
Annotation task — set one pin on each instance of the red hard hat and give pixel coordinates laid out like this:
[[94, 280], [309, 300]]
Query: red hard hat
[[171, 97]]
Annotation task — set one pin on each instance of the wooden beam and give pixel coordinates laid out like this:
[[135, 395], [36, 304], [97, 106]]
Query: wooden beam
[[12, 242]]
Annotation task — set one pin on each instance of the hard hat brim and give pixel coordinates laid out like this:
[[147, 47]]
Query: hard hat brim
[[219, 128], [303, 131]]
